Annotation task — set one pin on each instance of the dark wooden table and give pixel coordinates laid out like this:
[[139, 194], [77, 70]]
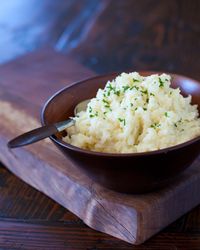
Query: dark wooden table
[[105, 35]]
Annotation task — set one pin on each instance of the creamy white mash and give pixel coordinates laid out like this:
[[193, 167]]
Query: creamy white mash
[[134, 113]]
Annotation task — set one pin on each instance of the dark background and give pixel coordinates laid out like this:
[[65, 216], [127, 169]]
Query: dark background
[[104, 35]]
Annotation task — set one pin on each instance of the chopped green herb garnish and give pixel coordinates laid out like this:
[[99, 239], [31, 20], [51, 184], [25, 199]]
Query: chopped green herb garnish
[[93, 115], [166, 114], [155, 125], [135, 80], [136, 108], [105, 112], [175, 125], [90, 109], [105, 101], [117, 92], [107, 106], [125, 87], [170, 92], [134, 87], [152, 94], [180, 120], [131, 104], [161, 83], [145, 91], [122, 120], [145, 109], [110, 86]]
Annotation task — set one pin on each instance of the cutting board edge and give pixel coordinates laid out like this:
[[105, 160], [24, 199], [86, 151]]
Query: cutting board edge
[[91, 204]]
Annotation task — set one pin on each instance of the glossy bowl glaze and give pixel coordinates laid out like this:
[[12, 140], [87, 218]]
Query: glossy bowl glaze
[[130, 173]]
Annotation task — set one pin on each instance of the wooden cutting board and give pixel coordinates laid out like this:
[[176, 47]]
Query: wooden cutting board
[[24, 86]]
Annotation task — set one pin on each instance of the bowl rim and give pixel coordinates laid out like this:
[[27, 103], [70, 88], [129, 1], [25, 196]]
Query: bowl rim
[[105, 154]]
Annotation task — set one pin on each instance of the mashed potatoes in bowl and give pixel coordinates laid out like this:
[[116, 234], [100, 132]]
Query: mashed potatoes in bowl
[[134, 114]]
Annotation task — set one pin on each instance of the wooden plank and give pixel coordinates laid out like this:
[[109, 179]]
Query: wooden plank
[[133, 218], [39, 234]]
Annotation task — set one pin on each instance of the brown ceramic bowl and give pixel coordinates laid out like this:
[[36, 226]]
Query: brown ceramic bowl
[[133, 172]]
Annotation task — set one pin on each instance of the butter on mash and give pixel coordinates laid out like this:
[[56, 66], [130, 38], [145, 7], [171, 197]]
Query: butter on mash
[[133, 114]]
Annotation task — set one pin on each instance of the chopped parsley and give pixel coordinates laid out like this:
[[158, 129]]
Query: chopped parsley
[[136, 80], [145, 109], [152, 94]]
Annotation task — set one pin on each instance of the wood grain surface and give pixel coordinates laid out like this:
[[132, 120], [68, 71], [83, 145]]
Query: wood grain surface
[[145, 34], [133, 218]]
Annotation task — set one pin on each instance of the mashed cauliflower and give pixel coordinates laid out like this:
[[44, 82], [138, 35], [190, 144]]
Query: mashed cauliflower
[[134, 113]]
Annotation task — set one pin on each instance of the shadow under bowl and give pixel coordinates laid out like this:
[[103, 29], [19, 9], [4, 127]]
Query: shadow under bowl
[[129, 173]]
